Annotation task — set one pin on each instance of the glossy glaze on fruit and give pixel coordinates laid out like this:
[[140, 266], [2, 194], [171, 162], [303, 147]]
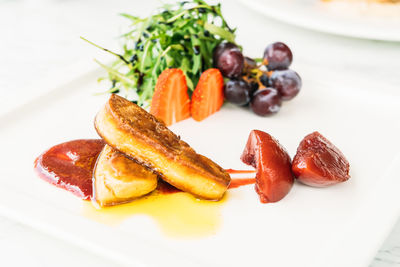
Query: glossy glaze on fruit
[[274, 177], [319, 163]]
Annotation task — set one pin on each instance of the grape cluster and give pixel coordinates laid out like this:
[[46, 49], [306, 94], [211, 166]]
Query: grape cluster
[[262, 84]]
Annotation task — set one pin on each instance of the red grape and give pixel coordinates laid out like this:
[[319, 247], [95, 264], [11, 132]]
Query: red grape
[[287, 82], [266, 102], [249, 64], [229, 60], [237, 92], [278, 55]]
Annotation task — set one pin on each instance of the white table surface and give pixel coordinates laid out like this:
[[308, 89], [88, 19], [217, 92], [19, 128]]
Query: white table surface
[[40, 38]]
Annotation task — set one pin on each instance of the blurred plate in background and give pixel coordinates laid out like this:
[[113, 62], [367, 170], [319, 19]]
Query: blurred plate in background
[[355, 19]]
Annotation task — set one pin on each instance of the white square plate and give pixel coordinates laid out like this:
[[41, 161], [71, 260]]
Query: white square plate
[[338, 226]]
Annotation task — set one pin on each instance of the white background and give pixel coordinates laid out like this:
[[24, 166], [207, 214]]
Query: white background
[[41, 39]]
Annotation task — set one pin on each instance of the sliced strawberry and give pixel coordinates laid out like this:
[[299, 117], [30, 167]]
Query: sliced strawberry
[[170, 101], [208, 96]]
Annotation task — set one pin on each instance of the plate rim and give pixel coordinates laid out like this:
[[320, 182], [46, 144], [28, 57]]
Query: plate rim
[[277, 14]]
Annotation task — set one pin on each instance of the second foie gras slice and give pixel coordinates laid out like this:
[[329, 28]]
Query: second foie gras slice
[[138, 134], [118, 179]]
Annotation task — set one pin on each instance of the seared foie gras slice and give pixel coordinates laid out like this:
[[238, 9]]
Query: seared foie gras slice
[[118, 179], [138, 134]]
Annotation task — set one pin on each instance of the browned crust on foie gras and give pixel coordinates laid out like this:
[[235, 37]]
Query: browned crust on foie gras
[[138, 134]]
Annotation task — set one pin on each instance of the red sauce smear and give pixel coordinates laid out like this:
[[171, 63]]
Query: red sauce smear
[[235, 183], [70, 165], [238, 182], [232, 171]]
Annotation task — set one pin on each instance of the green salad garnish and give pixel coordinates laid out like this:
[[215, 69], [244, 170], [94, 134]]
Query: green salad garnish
[[181, 35]]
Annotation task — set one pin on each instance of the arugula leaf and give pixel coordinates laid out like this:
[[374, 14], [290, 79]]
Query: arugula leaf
[[227, 35], [181, 35]]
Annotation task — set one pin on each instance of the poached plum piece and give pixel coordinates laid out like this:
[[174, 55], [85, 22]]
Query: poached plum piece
[[319, 163], [274, 177]]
